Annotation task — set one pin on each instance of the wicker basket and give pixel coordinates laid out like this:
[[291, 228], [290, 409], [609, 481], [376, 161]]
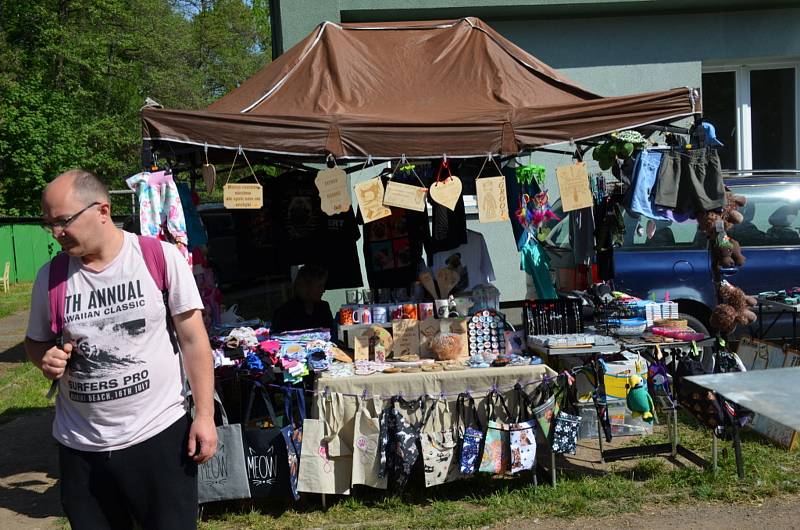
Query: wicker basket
[[676, 323], [446, 346]]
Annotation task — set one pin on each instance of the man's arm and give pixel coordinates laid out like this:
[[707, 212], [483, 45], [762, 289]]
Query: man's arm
[[48, 357], [199, 366]]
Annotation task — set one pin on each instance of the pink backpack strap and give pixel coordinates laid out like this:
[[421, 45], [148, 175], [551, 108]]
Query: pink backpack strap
[[57, 291], [153, 255]]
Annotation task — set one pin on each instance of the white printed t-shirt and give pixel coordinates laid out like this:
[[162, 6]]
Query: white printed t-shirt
[[123, 382]]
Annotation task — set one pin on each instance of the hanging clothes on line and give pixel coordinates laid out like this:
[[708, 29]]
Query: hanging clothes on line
[[160, 209]]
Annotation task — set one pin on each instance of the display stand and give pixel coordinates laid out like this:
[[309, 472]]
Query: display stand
[[673, 448], [779, 309]]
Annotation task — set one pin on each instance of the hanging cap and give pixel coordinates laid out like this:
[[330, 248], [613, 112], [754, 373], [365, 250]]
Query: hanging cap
[[710, 133]]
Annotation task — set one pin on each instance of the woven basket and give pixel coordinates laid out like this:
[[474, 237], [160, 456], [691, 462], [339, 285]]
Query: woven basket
[[446, 346]]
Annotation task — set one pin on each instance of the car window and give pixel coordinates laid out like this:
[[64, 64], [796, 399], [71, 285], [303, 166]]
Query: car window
[[645, 233], [770, 215]]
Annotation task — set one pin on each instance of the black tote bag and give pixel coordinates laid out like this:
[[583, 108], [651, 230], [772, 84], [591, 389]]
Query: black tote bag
[[265, 452]]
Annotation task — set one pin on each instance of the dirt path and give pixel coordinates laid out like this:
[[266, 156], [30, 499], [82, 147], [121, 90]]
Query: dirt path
[[12, 335], [28, 474], [775, 512]]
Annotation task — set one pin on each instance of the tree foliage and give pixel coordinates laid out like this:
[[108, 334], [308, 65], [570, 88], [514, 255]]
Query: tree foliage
[[75, 73]]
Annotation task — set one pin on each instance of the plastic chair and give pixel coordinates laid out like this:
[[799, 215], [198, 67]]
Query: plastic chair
[[6, 271]]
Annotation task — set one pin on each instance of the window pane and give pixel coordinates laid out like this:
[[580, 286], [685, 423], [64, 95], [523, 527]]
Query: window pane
[[772, 101], [666, 234], [770, 216], [719, 108]]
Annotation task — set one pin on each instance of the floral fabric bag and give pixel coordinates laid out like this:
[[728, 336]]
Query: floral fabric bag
[[496, 455], [566, 427]]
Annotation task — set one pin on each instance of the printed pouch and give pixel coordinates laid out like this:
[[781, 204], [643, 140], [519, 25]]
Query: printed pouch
[[496, 448], [565, 433], [439, 448], [544, 409], [398, 447], [522, 434], [566, 427], [293, 433], [472, 436]]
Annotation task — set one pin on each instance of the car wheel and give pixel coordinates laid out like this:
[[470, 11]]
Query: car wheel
[[694, 323]]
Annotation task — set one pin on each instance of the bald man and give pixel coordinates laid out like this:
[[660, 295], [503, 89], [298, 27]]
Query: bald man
[[128, 451]]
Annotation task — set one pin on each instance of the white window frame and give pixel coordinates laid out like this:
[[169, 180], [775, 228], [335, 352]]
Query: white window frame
[[744, 155]]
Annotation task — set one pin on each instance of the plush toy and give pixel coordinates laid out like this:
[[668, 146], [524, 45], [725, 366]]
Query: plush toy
[[737, 299], [639, 400], [726, 253], [734, 310]]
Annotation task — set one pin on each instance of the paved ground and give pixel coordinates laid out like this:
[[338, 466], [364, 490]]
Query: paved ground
[[12, 333]]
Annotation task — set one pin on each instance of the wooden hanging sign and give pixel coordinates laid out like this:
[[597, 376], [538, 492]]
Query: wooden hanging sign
[[573, 184], [242, 196], [334, 194], [370, 200], [446, 192], [405, 196], [405, 334], [492, 201]]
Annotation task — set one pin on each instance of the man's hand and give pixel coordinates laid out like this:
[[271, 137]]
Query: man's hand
[[54, 361], [203, 433]]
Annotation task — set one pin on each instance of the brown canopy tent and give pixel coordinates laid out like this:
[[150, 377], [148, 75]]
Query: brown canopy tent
[[420, 89]]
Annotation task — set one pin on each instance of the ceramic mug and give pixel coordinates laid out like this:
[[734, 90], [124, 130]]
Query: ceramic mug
[[396, 311], [410, 311], [353, 296], [379, 314], [442, 308], [346, 315], [425, 310], [362, 315]]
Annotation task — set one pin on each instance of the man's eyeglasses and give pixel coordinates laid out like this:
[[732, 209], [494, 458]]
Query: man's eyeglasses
[[64, 223]]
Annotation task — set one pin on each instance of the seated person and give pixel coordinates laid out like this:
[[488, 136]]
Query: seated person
[[746, 232], [306, 309], [781, 231]]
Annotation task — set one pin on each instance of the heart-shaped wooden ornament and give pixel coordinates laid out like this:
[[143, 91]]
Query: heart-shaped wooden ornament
[[446, 192], [209, 177]]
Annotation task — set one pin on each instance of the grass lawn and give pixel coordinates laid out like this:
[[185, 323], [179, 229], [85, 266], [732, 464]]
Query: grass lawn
[[23, 390], [482, 501], [16, 299]]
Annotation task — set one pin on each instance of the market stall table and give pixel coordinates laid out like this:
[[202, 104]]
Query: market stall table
[[478, 381], [779, 309], [591, 354], [771, 393]]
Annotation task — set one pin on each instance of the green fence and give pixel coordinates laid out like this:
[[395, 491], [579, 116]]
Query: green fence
[[27, 247]]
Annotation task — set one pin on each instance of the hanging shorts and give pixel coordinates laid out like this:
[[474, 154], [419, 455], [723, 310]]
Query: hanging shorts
[[690, 182]]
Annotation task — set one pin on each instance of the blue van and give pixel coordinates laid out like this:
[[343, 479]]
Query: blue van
[[676, 259]]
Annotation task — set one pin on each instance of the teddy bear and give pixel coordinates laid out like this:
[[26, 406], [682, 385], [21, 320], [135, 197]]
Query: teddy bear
[[726, 253], [734, 309]]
